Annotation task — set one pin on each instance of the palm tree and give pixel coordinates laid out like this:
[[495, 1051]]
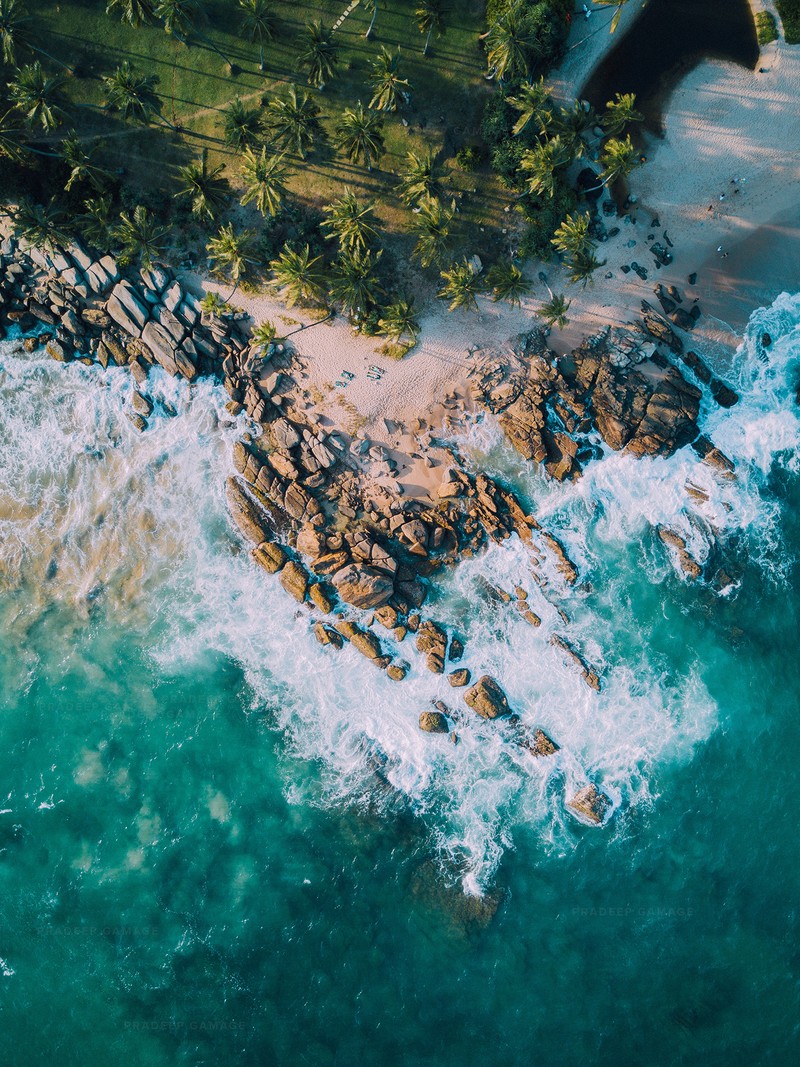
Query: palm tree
[[389, 90], [356, 286], [95, 222], [621, 112], [430, 18], [351, 222], [573, 123], [432, 223], [617, 159], [203, 187], [263, 335], [295, 122], [259, 23], [618, 4], [264, 180], [320, 55], [241, 126], [43, 225], [179, 16], [542, 164], [132, 94], [421, 178], [582, 265], [507, 282], [461, 287], [10, 143], [140, 237], [38, 96], [360, 135], [398, 319], [554, 311], [371, 5], [572, 236], [510, 44], [14, 30], [82, 167], [135, 12], [231, 253], [534, 103], [299, 275]]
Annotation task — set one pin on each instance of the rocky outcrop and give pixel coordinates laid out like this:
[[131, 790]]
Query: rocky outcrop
[[432, 641], [588, 675], [252, 522], [487, 699], [362, 586], [433, 722], [687, 563], [590, 804]]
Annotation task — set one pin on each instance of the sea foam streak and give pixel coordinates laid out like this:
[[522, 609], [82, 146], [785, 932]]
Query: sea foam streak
[[91, 509]]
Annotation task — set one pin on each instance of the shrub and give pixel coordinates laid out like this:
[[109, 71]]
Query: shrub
[[789, 11], [545, 216], [766, 29], [470, 157]]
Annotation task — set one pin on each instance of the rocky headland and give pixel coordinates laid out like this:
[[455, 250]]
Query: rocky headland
[[322, 507]]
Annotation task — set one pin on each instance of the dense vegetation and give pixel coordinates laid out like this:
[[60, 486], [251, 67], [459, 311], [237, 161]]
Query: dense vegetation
[[766, 30], [283, 141], [789, 11]]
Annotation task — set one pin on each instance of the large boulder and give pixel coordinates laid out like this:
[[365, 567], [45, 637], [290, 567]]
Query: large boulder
[[294, 580], [363, 587], [245, 512], [433, 722], [487, 699], [590, 804]]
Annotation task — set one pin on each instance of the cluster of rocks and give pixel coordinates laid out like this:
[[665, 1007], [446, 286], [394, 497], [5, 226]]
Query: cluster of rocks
[[320, 508], [619, 384]]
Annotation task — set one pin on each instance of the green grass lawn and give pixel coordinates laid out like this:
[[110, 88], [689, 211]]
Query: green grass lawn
[[195, 83]]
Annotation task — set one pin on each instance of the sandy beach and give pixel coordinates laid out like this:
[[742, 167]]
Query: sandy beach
[[724, 185]]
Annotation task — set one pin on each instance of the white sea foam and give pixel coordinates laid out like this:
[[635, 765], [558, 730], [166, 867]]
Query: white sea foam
[[91, 509]]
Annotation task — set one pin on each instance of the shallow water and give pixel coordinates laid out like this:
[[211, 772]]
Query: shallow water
[[222, 843]]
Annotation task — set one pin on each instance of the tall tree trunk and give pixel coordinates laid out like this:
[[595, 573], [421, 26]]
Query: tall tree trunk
[[427, 41], [368, 34]]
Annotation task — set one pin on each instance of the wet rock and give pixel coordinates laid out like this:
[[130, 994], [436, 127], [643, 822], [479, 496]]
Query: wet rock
[[62, 353], [487, 698], [326, 635], [459, 678], [588, 675], [723, 394], [590, 804], [396, 672], [688, 564], [363, 641], [456, 649], [245, 512], [363, 587], [136, 421], [270, 556], [294, 580], [433, 722], [319, 596], [527, 614], [432, 640], [141, 405]]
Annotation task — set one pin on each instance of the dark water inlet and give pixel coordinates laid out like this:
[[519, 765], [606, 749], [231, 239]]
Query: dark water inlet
[[666, 41]]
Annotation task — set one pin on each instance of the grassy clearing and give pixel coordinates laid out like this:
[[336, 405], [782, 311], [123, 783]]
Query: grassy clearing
[[195, 83], [789, 11], [766, 30]]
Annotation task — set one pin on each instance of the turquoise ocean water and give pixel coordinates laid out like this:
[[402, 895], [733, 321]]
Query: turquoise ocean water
[[223, 844]]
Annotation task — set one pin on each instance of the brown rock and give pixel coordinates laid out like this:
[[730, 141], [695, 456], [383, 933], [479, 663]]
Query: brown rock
[[245, 512], [294, 580], [363, 587], [487, 699], [328, 636], [270, 556], [362, 640], [456, 649], [396, 672], [590, 804], [587, 673], [433, 722], [459, 678], [318, 595]]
